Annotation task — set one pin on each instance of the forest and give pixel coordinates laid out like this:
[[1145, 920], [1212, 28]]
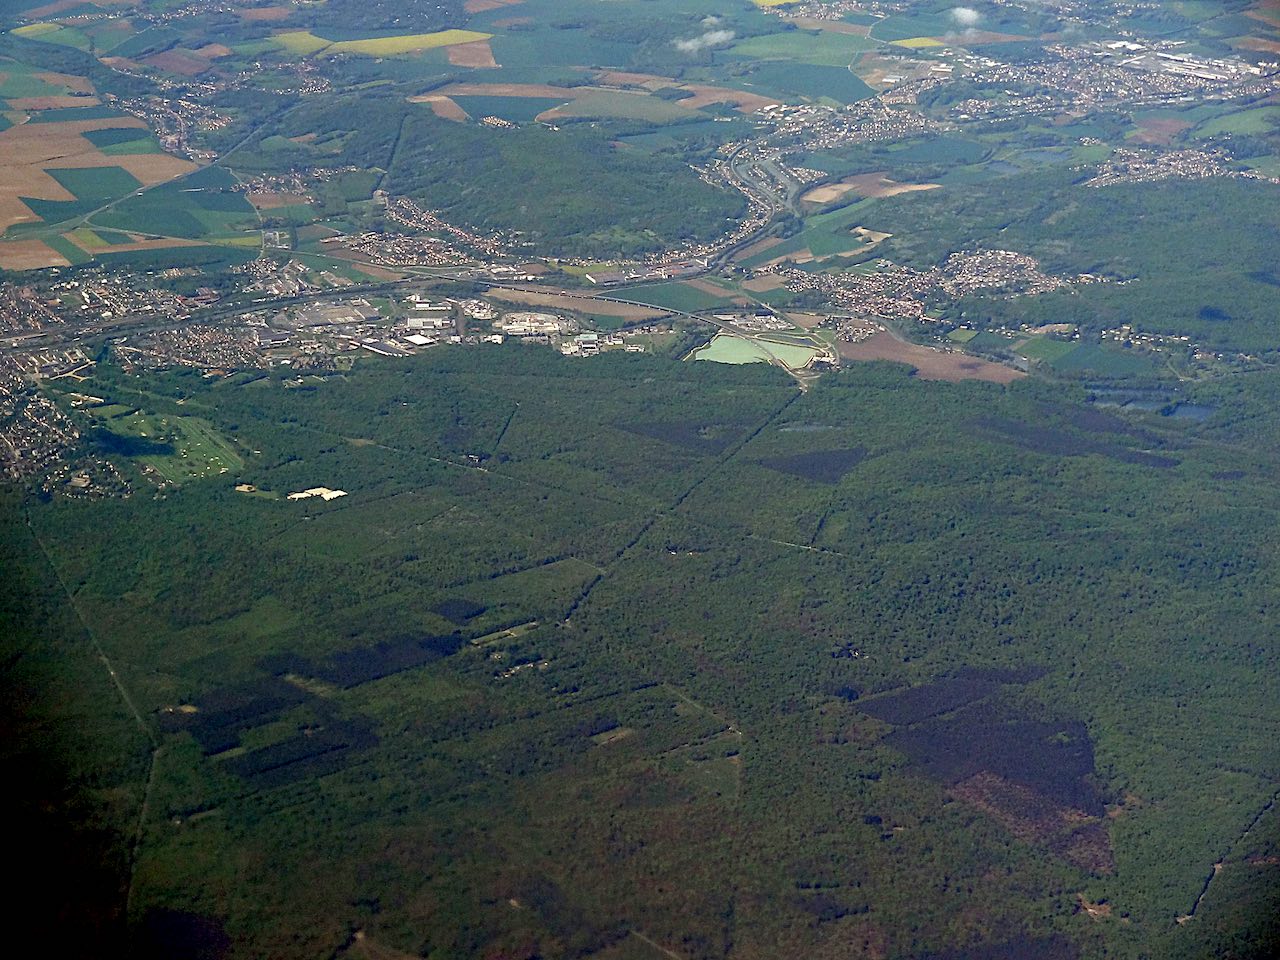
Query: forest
[[593, 655]]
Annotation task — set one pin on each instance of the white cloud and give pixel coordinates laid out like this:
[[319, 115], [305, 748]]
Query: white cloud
[[965, 16], [712, 38]]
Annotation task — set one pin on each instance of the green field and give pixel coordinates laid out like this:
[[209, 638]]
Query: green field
[[185, 209], [123, 141], [807, 81], [1046, 349], [1104, 361], [514, 109], [675, 295], [1256, 121], [92, 186], [626, 106], [196, 449], [409, 43], [820, 49]]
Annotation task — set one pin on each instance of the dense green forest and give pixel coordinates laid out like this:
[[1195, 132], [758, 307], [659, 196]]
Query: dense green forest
[[635, 649], [483, 176]]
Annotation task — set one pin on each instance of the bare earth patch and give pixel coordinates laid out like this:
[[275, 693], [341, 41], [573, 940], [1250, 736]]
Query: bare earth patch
[[213, 51], [626, 311], [826, 193], [705, 96], [623, 78], [806, 321], [482, 6], [54, 102], [500, 90], [180, 63], [51, 9], [265, 14], [984, 36], [864, 185], [929, 364], [706, 286], [478, 55], [1258, 44], [29, 255], [120, 63], [832, 26], [1159, 130], [271, 200], [760, 246], [764, 283], [1095, 910], [72, 83], [443, 107], [700, 94]]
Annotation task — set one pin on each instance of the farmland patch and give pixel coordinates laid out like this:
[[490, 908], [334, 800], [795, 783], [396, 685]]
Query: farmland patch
[[29, 255], [477, 54], [928, 363]]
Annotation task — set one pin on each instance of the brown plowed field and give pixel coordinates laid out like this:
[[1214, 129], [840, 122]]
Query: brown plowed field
[[482, 6], [864, 185], [760, 246], [271, 200], [72, 83], [764, 283], [501, 90], [1258, 44], [443, 107], [704, 96], [265, 14], [29, 149], [583, 304], [29, 255], [51, 9], [179, 63], [54, 102], [1160, 130], [929, 364], [478, 54]]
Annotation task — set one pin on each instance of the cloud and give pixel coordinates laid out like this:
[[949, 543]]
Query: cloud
[[712, 38], [965, 16], [710, 22]]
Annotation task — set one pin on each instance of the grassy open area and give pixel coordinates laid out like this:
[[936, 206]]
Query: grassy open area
[[177, 448]]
